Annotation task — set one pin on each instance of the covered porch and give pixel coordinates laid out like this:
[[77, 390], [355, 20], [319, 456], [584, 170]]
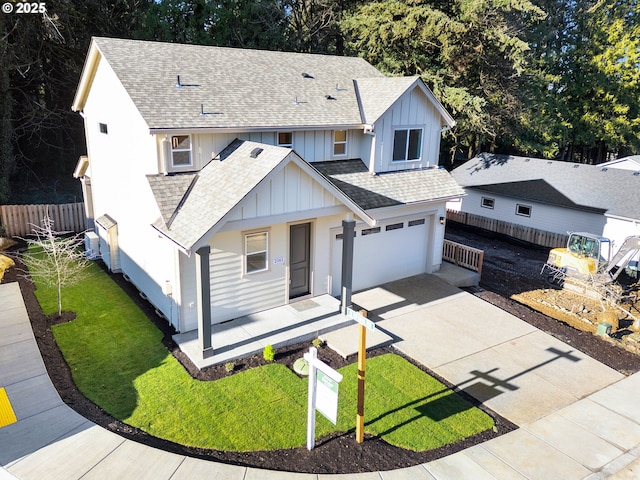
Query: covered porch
[[292, 323]]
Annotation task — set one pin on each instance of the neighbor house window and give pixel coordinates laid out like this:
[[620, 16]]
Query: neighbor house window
[[524, 210], [181, 150], [285, 139], [407, 144], [339, 142], [487, 202], [256, 252]]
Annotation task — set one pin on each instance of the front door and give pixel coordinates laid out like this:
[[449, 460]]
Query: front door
[[299, 259]]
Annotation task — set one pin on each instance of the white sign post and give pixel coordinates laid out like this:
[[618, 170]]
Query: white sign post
[[323, 393]]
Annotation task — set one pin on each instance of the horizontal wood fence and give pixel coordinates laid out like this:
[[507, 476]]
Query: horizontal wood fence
[[463, 256], [527, 234], [18, 220]]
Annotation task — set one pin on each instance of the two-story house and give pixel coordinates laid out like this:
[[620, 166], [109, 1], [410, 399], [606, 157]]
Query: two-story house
[[218, 179]]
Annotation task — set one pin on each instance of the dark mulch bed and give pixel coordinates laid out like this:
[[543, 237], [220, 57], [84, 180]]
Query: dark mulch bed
[[339, 453]]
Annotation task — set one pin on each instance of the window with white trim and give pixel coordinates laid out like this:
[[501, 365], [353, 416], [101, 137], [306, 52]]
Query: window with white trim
[[285, 139], [339, 143], [180, 150], [487, 202], [256, 252], [523, 210], [407, 144]]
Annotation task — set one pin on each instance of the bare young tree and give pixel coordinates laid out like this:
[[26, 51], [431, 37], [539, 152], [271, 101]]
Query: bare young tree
[[57, 259]]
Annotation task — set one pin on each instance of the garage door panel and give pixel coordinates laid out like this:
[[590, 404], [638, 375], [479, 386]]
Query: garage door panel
[[383, 256]]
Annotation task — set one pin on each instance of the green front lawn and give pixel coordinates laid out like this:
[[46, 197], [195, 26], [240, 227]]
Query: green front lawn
[[119, 363]]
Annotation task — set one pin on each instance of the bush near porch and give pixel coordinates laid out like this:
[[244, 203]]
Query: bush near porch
[[118, 361]]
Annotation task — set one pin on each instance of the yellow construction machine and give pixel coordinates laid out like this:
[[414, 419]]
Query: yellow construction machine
[[589, 258]]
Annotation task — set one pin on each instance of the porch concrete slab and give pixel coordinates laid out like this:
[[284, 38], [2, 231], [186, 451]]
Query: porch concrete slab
[[418, 472], [69, 457], [32, 396], [27, 435], [458, 465], [196, 469], [497, 467], [134, 460], [507, 385], [534, 458], [346, 340], [457, 276], [578, 443], [605, 422]]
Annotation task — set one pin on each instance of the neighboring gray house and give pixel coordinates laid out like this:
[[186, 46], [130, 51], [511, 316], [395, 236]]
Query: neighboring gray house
[[220, 179], [554, 196]]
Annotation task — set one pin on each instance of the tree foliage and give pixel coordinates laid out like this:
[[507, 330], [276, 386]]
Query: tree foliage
[[470, 53]]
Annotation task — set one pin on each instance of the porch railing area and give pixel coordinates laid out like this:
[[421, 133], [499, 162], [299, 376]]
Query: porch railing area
[[463, 256]]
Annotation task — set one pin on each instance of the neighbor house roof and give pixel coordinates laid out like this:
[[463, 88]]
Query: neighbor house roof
[[389, 189], [627, 163], [177, 86], [615, 192], [194, 205]]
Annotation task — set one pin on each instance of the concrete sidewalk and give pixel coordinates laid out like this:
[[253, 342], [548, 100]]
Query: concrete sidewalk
[[578, 419]]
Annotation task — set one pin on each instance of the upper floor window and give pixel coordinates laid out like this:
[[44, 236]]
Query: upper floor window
[[103, 128], [285, 139], [339, 142], [181, 150], [407, 144]]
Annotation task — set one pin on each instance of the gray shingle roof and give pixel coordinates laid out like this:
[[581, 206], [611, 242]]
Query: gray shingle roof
[[214, 191], [248, 88], [169, 190], [377, 95], [388, 189], [571, 185]]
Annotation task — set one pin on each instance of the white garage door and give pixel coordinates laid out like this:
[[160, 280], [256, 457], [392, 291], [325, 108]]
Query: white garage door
[[381, 254]]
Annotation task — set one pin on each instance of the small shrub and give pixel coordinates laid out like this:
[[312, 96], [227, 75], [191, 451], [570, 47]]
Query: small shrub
[[269, 353], [229, 367], [317, 342]]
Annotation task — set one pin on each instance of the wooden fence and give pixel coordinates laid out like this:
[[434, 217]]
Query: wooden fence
[[463, 256], [18, 220], [520, 232]]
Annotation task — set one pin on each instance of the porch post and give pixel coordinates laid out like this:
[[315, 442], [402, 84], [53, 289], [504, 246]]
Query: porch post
[[348, 234], [203, 282]]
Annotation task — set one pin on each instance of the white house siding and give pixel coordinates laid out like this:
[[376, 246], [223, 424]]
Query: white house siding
[[233, 293], [311, 145], [118, 162], [412, 110], [544, 217], [618, 229]]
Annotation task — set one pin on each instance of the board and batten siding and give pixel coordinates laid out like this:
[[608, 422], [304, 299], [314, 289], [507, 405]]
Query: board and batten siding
[[291, 190], [543, 217], [412, 110], [311, 145]]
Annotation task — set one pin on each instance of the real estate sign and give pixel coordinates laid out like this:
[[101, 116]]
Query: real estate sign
[[327, 396]]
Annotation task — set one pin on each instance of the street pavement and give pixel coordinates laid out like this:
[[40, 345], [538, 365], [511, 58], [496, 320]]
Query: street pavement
[[577, 418]]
